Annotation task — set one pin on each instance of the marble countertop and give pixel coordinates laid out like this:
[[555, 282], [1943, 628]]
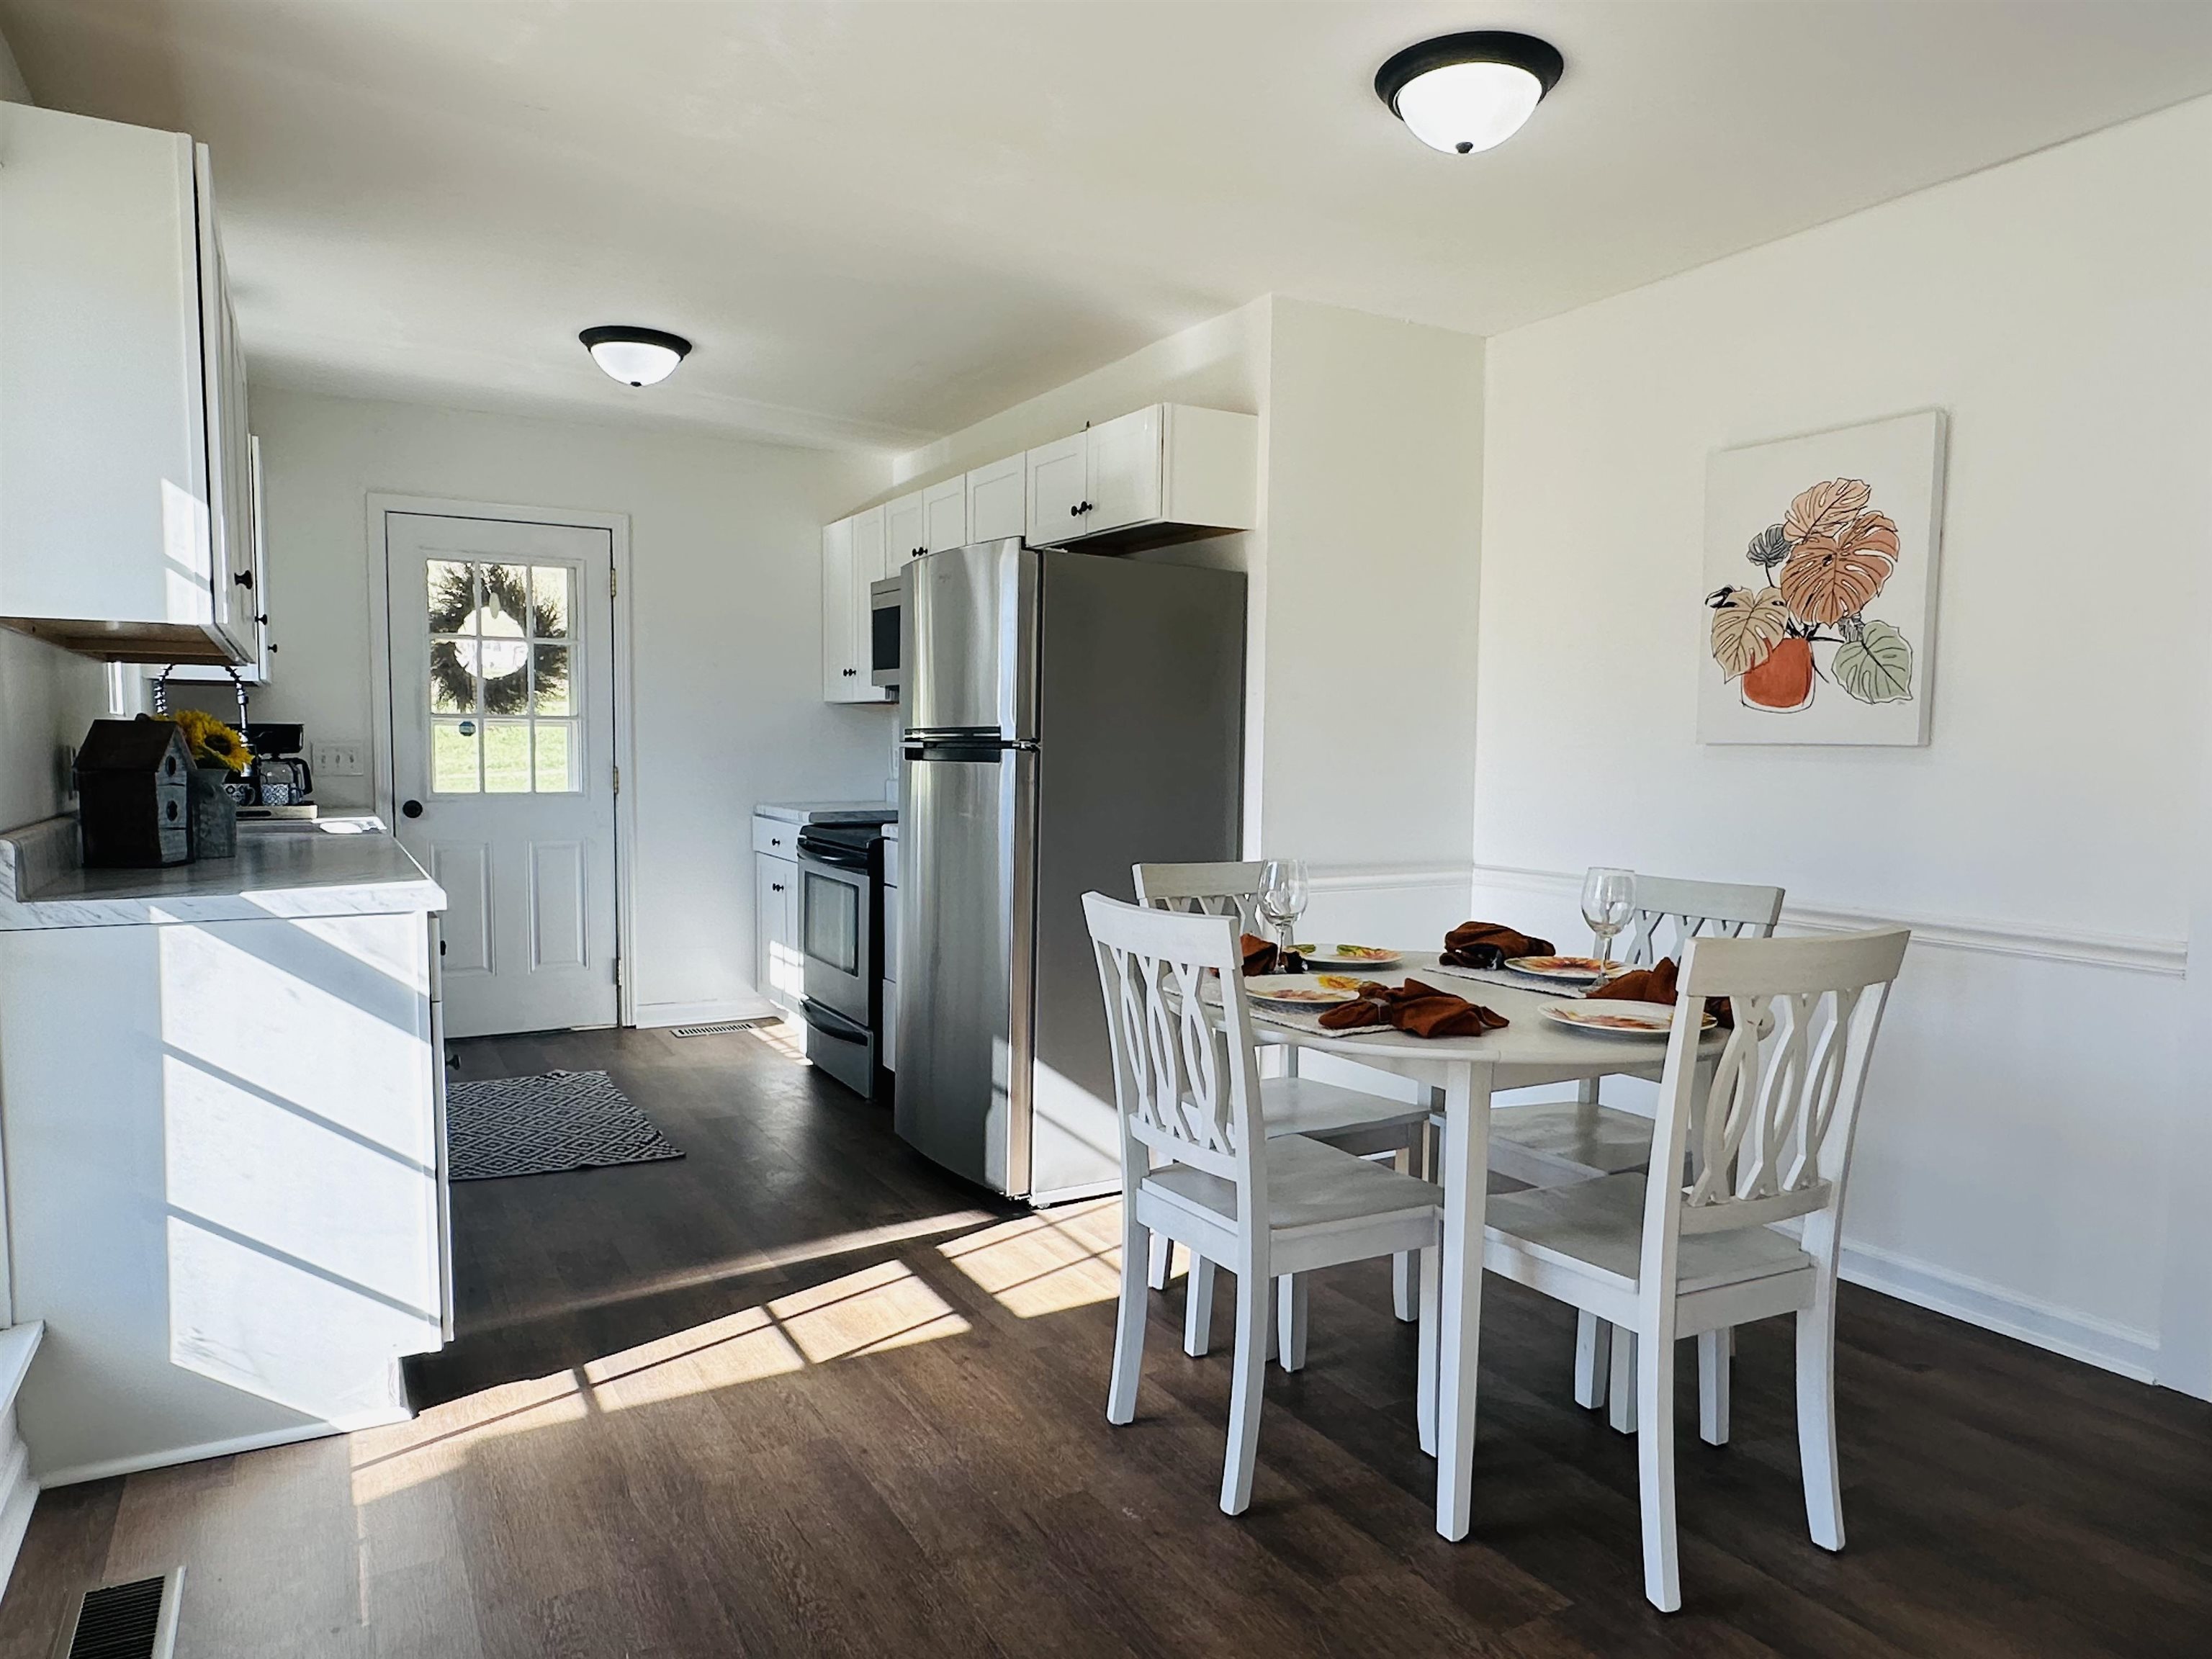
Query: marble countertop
[[42, 885], [828, 811]]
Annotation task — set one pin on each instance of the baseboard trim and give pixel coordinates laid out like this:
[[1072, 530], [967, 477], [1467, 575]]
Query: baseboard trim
[[2122, 952], [111, 1466], [2118, 1349], [650, 1016]]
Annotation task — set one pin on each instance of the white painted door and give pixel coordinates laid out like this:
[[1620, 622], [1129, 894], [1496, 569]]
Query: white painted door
[[945, 513], [502, 741], [1056, 481], [841, 595], [1123, 479]]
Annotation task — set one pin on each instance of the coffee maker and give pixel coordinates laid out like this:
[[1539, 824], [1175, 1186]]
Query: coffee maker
[[281, 774]]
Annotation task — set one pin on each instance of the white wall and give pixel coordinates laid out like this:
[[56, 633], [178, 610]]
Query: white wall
[[47, 699], [725, 540], [2013, 1162]]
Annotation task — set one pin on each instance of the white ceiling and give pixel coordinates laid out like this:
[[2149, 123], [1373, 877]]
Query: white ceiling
[[882, 221]]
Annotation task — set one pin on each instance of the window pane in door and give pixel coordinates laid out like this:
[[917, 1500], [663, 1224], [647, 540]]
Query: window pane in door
[[549, 671], [453, 596], [550, 587], [557, 757], [452, 687], [453, 756], [507, 757]]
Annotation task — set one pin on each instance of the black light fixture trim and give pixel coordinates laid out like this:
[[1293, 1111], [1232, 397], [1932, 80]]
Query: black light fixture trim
[[1523, 51], [629, 334]]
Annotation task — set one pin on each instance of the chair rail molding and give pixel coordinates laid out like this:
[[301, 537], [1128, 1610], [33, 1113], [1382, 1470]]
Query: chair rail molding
[[2122, 953]]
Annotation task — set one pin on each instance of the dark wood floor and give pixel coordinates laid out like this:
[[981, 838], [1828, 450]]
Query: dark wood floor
[[799, 1393]]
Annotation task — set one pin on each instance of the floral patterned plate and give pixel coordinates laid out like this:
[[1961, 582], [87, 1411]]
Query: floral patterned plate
[[1622, 1019]]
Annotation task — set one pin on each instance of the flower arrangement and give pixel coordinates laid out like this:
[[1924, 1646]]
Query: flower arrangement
[[212, 743], [1827, 560]]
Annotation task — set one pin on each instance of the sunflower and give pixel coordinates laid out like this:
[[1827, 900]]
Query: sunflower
[[212, 743]]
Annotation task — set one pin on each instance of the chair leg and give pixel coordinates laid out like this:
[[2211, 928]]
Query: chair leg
[[1593, 1346], [1253, 1303], [1425, 1369], [1816, 1421], [1713, 1386], [1620, 1404], [1291, 1321], [1405, 1267], [1655, 1466], [1162, 1261], [1128, 1323], [1198, 1307]]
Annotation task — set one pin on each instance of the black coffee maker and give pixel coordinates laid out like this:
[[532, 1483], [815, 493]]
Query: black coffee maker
[[281, 775]]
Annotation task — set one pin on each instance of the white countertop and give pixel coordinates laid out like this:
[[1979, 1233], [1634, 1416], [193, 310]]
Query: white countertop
[[42, 885], [828, 811]]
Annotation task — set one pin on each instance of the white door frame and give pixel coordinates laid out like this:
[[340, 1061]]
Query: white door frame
[[617, 525]]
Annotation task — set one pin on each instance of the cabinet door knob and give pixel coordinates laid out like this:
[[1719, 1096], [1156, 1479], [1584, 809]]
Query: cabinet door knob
[[1073, 511], [411, 808], [776, 887], [243, 578]]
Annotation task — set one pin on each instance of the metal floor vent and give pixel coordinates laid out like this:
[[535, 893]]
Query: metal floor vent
[[721, 1025], [137, 1620]]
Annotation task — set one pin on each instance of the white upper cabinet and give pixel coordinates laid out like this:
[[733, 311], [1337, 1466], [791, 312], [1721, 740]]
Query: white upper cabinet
[[125, 485], [906, 531], [944, 514], [853, 558], [1056, 483], [997, 507], [1166, 473]]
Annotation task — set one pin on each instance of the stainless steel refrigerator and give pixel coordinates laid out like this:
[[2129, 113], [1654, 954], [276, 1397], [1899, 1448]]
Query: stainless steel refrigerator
[[1067, 715]]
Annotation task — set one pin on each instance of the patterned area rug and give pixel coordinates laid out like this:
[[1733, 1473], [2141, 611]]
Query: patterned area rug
[[517, 1126]]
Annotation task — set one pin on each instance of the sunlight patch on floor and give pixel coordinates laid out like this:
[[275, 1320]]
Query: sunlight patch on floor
[[786, 1038], [1047, 1262], [743, 1347], [404, 1455]]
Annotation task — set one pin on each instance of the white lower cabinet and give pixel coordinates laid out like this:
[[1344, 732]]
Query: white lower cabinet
[[777, 965]]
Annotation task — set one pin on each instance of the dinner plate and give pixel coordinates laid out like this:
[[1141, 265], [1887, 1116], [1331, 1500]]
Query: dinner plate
[[1560, 970], [1620, 1018], [1372, 957], [1302, 990]]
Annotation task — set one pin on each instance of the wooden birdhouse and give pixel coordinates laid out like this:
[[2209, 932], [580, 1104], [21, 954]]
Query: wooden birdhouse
[[134, 794]]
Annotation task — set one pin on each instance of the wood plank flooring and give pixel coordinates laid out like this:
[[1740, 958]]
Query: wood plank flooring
[[799, 1393]]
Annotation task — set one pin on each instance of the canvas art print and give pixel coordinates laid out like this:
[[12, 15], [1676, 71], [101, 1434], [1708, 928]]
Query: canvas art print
[[1820, 586]]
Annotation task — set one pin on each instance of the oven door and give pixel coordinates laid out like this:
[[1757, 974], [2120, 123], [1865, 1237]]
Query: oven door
[[835, 938], [883, 597]]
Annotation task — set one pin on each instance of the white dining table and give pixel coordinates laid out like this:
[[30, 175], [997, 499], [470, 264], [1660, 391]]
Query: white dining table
[[1461, 1075]]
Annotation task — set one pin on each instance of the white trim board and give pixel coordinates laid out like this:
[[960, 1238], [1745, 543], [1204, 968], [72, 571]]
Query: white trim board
[[108, 1467], [617, 525], [2126, 953], [2118, 1348], [647, 1016], [1388, 877]]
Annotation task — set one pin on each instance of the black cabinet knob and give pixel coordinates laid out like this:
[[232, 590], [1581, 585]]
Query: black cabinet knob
[[776, 887], [243, 578], [1073, 511], [411, 809]]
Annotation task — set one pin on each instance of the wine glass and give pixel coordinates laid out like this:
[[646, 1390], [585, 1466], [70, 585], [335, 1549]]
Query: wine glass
[[1608, 900], [1283, 887]]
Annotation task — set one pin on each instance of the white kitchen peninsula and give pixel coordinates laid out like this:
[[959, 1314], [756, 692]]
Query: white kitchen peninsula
[[222, 1105]]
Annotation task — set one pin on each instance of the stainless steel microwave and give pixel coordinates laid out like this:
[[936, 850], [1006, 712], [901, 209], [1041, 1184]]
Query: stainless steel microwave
[[883, 631]]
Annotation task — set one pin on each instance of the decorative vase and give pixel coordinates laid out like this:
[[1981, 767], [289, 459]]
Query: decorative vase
[[214, 814], [1784, 681]]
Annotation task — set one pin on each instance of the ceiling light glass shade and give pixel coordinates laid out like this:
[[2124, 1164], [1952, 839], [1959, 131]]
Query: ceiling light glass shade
[[1469, 93], [635, 357]]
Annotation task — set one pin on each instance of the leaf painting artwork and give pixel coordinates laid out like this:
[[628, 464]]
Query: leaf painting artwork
[[1820, 585]]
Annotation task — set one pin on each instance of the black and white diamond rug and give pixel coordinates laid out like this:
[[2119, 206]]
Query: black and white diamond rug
[[517, 1126]]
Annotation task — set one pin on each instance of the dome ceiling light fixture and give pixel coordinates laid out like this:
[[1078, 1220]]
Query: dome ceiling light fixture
[[1465, 93], [635, 357]]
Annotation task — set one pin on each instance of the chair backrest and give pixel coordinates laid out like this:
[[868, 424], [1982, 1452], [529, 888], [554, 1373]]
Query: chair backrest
[[1214, 890], [1775, 1140], [1683, 910], [1185, 1080]]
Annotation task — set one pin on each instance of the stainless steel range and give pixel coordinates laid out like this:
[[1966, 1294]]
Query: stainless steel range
[[841, 933]]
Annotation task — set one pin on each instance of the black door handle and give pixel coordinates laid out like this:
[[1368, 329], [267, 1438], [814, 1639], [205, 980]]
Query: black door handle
[[243, 578], [411, 809]]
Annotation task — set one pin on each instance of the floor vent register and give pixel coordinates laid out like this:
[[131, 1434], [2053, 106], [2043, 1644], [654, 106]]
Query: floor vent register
[[137, 1620], [721, 1026]]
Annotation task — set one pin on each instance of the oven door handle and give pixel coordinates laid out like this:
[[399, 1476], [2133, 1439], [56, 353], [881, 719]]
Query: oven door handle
[[830, 1022]]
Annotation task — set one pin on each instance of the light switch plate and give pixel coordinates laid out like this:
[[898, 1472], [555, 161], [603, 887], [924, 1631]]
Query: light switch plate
[[68, 772], [336, 760]]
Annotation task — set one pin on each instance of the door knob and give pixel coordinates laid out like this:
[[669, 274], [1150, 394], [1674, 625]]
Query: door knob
[[243, 578], [411, 809]]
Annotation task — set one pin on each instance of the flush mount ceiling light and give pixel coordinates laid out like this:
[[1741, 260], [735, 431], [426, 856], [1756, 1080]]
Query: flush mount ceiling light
[[1470, 92], [635, 357]]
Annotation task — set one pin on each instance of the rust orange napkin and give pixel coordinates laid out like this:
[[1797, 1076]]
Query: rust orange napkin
[[1489, 944], [1416, 1009], [1656, 983], [1263, 958]]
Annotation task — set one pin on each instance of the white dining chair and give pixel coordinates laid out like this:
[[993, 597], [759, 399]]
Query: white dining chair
[[1665, 1258], [1365, 1125], [1553, 1143], [1199, 1166]]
